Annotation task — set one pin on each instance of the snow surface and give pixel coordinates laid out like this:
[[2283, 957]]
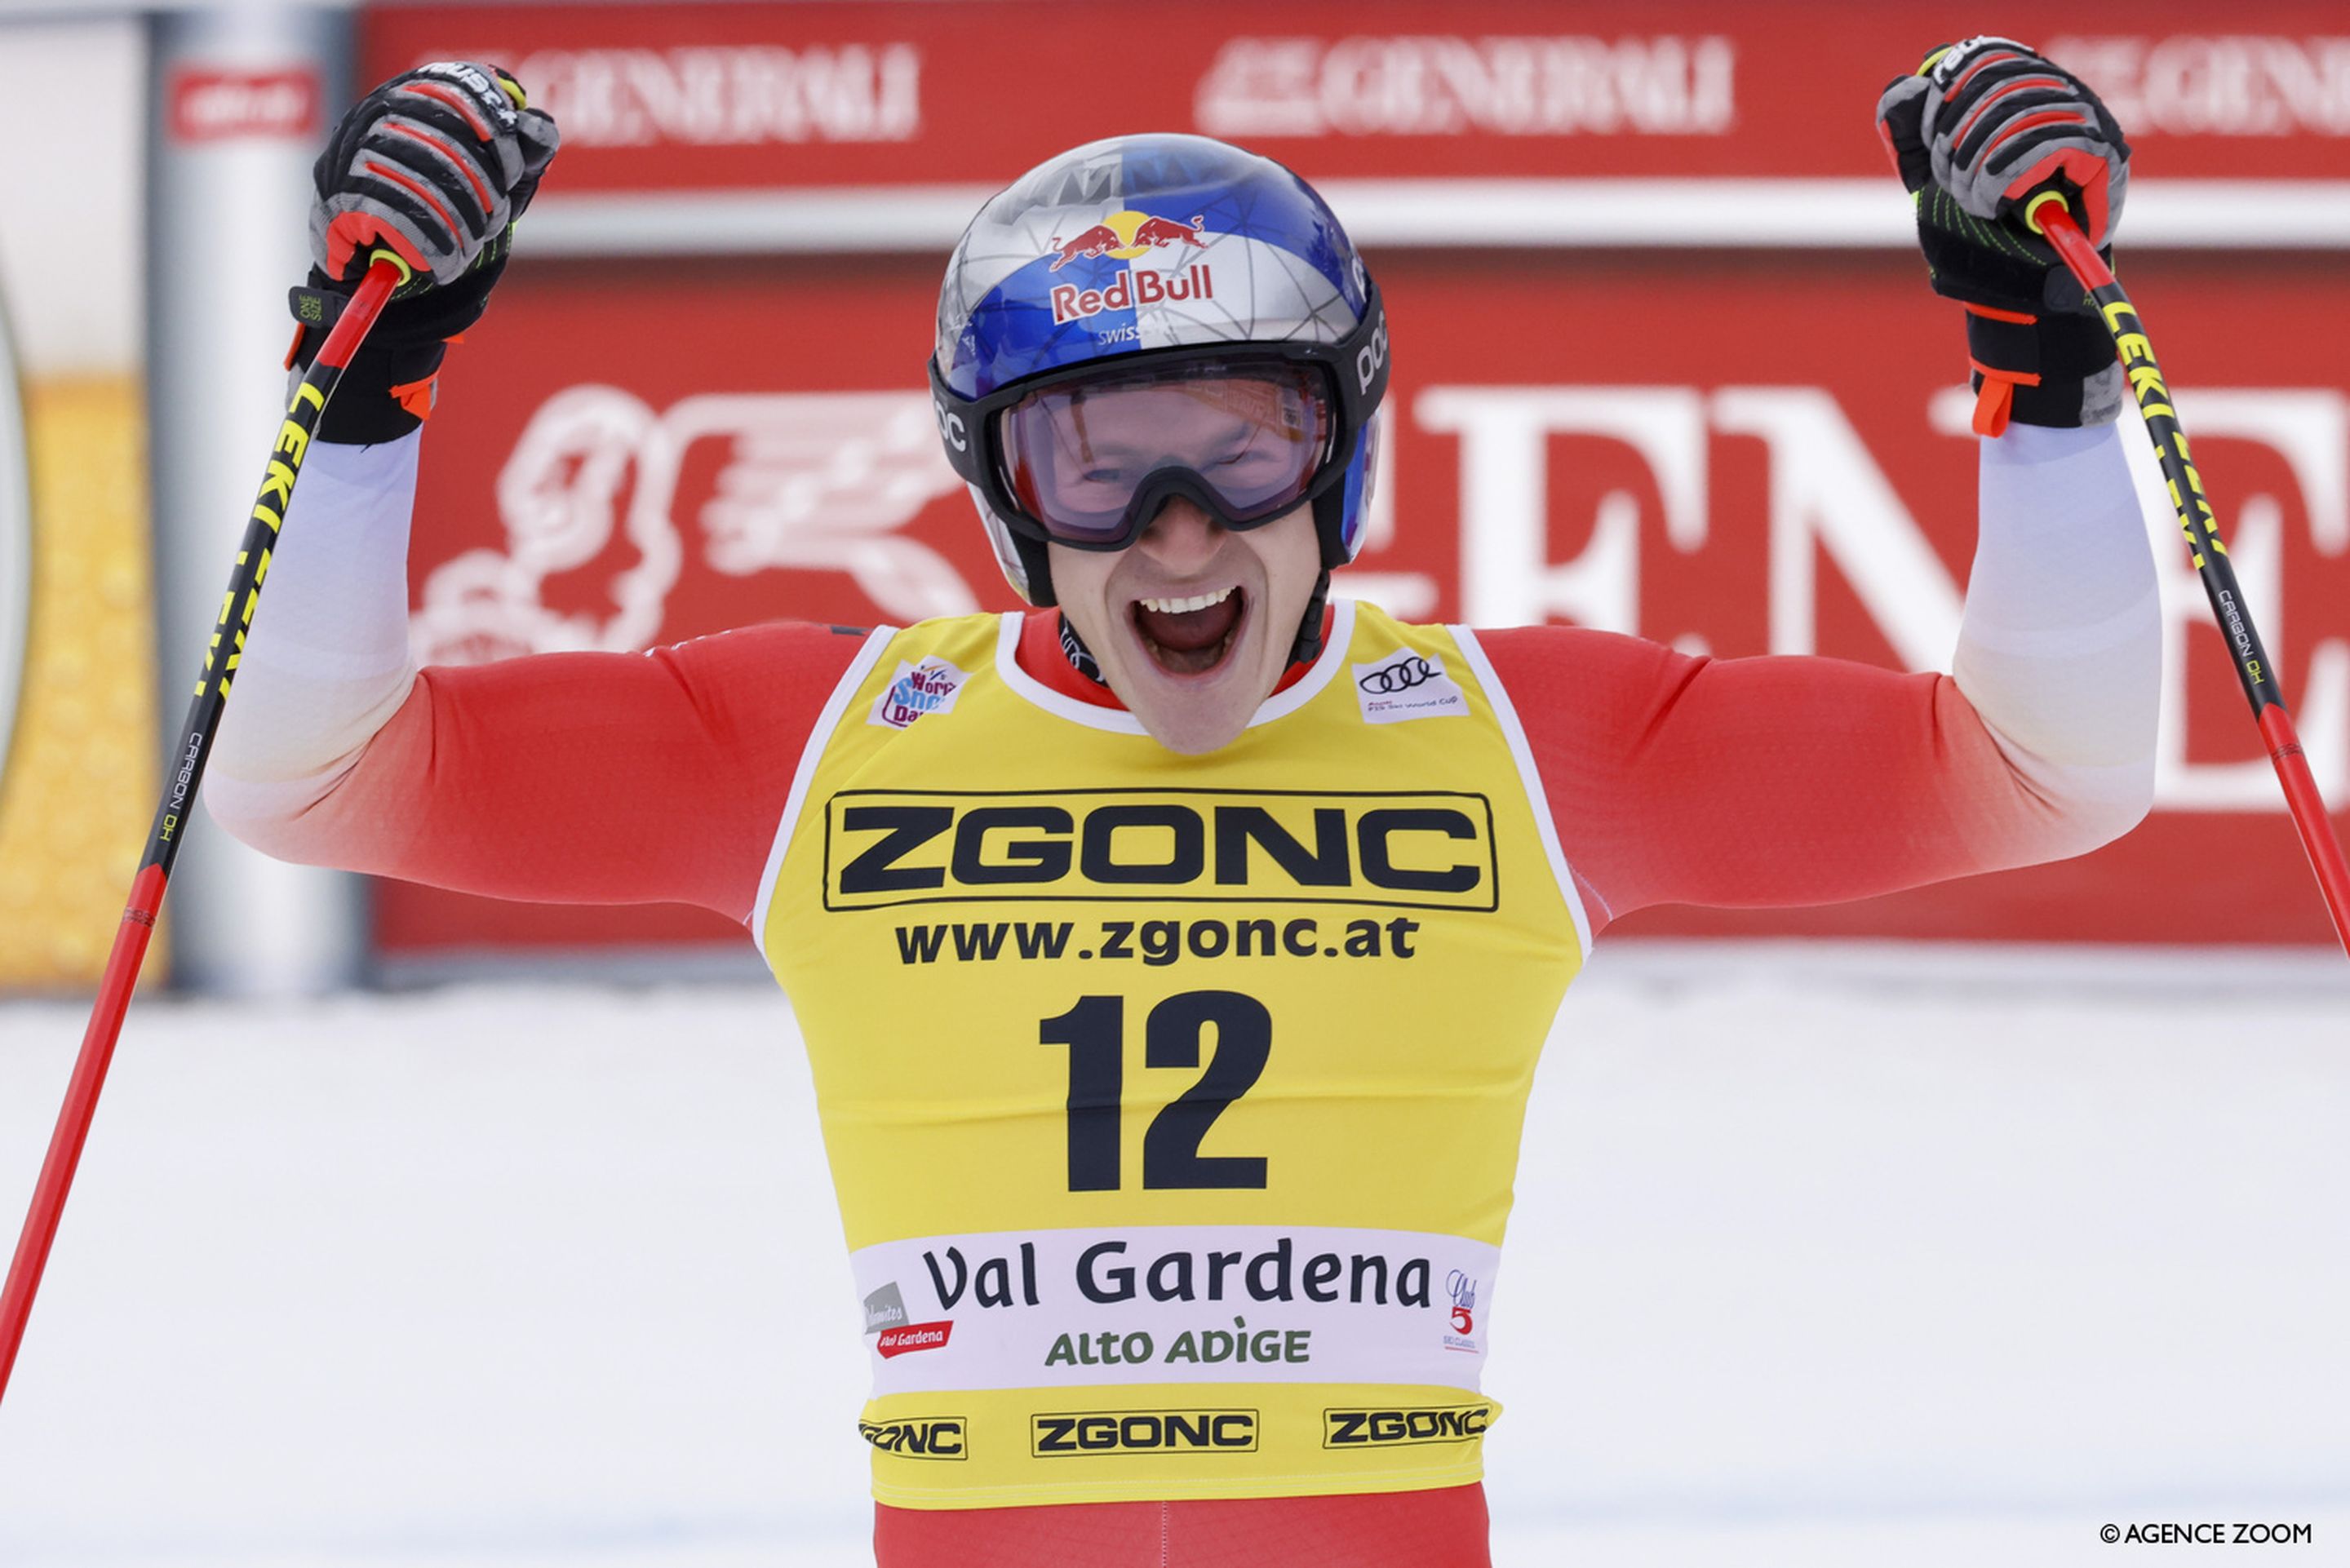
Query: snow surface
[[1915, 1259]]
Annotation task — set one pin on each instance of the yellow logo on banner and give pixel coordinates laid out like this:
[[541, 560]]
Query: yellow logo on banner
[[78, 768], [16, 546]]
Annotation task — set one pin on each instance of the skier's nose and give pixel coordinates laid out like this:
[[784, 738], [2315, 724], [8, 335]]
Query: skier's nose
[[1182, 538]]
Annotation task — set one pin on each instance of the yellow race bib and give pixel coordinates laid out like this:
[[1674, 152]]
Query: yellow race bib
[[1172, 1102]]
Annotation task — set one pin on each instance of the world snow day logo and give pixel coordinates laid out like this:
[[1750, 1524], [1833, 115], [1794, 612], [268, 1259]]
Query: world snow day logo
[[918, 691]]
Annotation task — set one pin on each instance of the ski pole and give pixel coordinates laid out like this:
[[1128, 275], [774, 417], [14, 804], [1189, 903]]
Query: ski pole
[[2048, 215], [385, 273]]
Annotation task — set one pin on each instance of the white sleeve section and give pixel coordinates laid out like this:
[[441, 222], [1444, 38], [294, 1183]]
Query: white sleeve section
[[326, 663], [844, 690], [1505, 714], [2060, 650]]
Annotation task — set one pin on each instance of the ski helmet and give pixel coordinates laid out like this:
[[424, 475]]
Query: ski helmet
[[1155, 252]]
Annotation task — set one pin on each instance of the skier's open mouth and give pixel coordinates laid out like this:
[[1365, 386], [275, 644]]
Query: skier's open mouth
[[1191, 635]]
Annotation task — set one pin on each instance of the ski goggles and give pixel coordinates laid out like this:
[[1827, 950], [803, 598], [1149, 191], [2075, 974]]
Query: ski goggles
[[1087, 456], [1092, 464]]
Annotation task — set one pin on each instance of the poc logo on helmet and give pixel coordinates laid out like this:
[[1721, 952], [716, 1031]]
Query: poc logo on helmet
[[1372, 357], [1144, 1431], [1368, 1428], [951, 426]]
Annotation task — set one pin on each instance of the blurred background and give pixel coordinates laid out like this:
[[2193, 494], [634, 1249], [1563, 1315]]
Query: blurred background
[[416, 1227]]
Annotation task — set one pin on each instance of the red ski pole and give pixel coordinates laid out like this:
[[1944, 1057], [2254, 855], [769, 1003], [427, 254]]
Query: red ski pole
[[384, 274], [2048, 215]]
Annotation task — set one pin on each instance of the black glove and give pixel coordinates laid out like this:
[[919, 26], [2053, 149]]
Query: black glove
[[1983, 127], [432, 167]]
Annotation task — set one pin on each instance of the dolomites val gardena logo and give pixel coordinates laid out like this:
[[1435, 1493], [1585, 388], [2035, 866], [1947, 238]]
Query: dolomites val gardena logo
[[15, 544], [886, 1318]]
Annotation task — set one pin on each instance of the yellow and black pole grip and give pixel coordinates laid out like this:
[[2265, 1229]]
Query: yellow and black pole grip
[[185, 771], [2048, 215]]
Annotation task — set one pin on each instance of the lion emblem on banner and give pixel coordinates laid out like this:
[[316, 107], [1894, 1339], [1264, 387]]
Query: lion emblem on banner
[[814, 481]]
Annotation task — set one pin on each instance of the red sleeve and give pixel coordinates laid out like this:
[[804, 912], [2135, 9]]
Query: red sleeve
[[589, 778], [1758, 782]]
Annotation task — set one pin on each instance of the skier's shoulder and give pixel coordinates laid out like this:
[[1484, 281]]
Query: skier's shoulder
[[762, 660], [1548, 654]]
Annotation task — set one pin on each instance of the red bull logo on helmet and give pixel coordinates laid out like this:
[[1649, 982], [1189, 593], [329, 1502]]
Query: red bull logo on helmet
[[1128, 236], [1125, 236], [1132, 290]]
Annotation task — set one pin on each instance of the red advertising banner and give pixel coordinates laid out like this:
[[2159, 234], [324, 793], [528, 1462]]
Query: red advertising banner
[[629, 452], [735, 96], [625, 455], [214, 105]]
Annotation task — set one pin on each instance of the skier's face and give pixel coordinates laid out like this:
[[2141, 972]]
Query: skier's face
[[1192, 623]]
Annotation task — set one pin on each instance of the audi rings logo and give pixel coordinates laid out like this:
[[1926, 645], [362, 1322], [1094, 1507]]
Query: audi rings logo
[[1407, 685], [1398, 675], [15, 544]]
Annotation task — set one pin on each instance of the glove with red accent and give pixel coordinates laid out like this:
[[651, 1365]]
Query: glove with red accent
[[433, 167], [1980, 129]]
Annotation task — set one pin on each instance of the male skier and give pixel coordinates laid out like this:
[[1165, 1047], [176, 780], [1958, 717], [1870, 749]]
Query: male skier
[[1173, 956]]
